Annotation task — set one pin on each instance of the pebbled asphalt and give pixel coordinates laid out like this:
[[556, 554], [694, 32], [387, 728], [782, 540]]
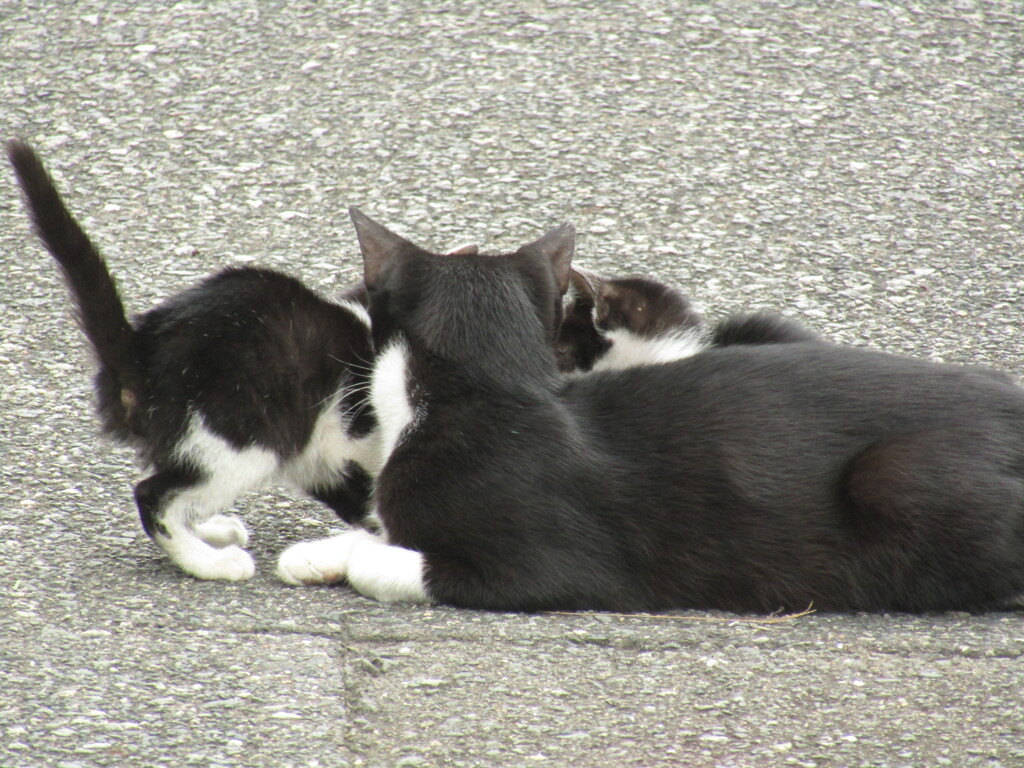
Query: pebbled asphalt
[[856, 164]]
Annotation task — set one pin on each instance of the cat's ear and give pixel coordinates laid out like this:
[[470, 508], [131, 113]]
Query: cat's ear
[[557, 246], [378, 245], [470, 249], [591, 287]]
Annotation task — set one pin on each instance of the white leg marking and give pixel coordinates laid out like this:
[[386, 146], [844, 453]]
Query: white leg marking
[[223, 531], [321, 561], [387, 573], [195, 556], [371, 566], [190, 516], [330, 449]]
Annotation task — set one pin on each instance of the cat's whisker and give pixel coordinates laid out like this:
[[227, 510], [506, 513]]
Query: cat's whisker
[[358, 365]]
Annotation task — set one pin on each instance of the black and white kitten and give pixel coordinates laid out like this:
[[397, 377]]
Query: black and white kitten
[[244, 379], [745, 477], [620, 322]]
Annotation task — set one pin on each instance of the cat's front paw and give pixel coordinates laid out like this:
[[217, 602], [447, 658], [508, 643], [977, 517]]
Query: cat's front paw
[[231, 563], [223, 531], [322, 561]]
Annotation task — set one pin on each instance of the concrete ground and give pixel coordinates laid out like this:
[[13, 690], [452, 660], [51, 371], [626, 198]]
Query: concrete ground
[[855, 164]]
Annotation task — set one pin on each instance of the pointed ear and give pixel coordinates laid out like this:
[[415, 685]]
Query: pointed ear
[[557, 246], [594, 287], [377, 243], [587, 284]]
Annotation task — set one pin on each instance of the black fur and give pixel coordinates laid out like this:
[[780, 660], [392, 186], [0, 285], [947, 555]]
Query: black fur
[[749, 477], [121, 383], [759, 328], [257, 353]]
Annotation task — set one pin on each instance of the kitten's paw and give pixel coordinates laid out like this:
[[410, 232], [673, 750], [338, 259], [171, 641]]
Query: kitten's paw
[[223, 531], [323, 561], [231, 563]]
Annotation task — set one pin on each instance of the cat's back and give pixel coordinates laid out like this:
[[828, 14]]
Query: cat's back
[[251, 344], [256, 309], [792, 388]]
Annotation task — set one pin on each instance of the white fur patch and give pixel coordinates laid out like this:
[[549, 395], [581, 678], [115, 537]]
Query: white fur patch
[[196, 557], [371, 566], [329, 449], [387, 573], [321, 561], [356, 309], [209, 545], [389, 393], [223, 531], [629, 350], [232, 472]]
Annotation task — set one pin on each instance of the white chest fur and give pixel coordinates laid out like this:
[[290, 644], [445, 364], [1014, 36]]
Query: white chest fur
[[389, 393]]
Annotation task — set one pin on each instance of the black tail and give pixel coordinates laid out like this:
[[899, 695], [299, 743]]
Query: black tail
[[99, 304]]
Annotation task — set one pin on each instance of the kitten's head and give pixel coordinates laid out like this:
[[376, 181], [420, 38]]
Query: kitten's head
[[483, 312], [597, 306]]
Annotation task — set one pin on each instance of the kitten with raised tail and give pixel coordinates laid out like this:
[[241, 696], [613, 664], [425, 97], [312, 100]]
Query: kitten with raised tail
[[245, 379], [749, 477]]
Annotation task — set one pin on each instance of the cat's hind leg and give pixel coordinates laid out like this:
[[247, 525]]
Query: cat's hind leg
[[181, 504], [180, 507], [941, 511], [172, 505]]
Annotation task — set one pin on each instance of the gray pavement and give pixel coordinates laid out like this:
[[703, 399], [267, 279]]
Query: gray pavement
[[856, 164]]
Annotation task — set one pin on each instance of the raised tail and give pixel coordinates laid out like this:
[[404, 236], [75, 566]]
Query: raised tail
[[95, 294]]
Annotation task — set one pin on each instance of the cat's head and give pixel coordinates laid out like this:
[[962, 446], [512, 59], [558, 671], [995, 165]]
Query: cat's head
[[482, 312], [356, 293], [599, 308]]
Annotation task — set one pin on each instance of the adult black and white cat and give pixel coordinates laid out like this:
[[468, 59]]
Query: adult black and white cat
[[746, 477], [244, 379], [621, 322]]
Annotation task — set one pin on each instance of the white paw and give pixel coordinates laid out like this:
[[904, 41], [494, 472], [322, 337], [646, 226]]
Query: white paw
[[228, 564], [323, 561], [223, 531]]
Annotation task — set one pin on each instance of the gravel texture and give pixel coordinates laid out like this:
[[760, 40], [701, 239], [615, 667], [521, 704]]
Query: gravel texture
[[857, 165]]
